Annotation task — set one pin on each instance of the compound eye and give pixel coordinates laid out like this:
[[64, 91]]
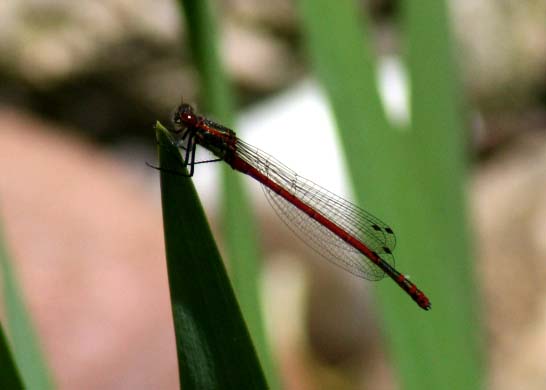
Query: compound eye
[[184, 117], [188, 118]]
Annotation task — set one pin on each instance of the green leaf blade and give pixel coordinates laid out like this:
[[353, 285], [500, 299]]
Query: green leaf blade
[[213, 344], [238, 225], [414, 180], [27, 352], [9, 375]]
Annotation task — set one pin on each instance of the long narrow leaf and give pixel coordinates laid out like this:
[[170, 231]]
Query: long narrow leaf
[[436, 160], [9, 375], [413, 180], [238, 225], [213, 344], [26, 350]]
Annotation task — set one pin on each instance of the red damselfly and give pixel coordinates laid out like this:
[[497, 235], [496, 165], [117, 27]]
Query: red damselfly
[[343, 233]]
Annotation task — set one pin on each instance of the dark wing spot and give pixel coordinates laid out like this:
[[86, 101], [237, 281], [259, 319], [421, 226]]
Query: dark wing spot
[[387, 250], [376, 228], [389, 230]]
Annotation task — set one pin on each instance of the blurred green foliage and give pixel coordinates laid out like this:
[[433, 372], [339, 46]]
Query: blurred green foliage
[[414, 179]]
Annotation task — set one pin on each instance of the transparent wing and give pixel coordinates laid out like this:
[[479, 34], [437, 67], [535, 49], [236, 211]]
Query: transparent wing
[[374, 233]]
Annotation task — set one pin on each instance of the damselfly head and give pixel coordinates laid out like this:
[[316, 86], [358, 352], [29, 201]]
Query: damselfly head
[[184, 117]]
